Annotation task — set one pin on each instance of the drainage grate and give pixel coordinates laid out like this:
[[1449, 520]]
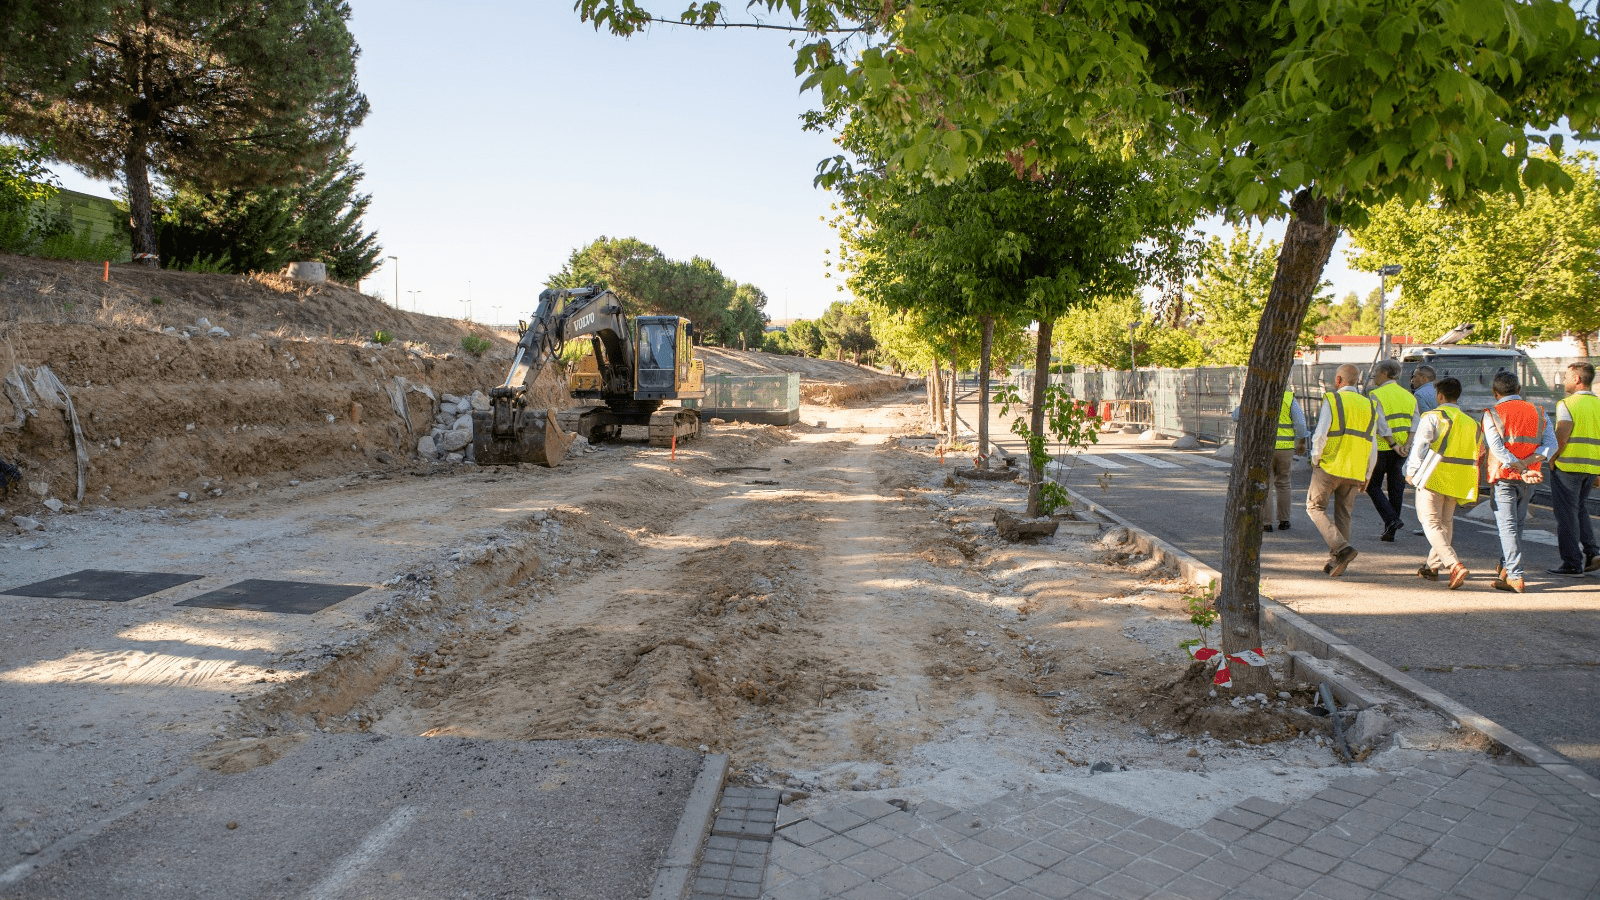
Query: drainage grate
[[103, 584], [259, 595]]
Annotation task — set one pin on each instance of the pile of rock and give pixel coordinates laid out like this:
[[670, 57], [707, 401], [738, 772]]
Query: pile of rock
[[451, 438]]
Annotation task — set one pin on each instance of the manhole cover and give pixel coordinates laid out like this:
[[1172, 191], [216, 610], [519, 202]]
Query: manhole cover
[[259, 595], [103, 584]]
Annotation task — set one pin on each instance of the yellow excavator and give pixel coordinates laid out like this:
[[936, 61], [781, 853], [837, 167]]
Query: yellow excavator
[[638, 373]]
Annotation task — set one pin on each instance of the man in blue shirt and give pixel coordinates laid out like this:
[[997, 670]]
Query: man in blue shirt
[[1422, 389]]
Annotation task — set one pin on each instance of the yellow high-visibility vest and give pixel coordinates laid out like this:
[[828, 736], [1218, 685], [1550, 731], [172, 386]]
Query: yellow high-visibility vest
[[1456, 443], [1349, 445], [1582, 453], [1286, 423], [1399, 406]]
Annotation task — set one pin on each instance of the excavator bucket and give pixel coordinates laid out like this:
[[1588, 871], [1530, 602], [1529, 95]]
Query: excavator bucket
[[507, 435]]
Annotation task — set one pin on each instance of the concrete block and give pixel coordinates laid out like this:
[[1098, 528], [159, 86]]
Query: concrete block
[[307, 271]]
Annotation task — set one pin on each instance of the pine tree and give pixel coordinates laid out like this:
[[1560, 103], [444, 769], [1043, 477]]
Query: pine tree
[[265, 229], [203, 94]]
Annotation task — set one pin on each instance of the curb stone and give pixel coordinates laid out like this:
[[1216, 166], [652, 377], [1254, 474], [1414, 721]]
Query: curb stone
[[672, 879], [1300, 634]]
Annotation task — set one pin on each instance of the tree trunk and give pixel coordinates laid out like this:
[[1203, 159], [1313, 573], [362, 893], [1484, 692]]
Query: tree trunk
[[141, 218], [936, 396], [955, 392], [1306, 245], [1041, 380], [986, 350]]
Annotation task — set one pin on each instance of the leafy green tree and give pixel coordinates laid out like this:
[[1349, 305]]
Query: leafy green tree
[[205, 94], [1349, 316], [25, 188], [1097, 335], [266, 228], [806, 338], [724, 311], [1235, 280], [1532, 262], [846, 328], [745, 322]]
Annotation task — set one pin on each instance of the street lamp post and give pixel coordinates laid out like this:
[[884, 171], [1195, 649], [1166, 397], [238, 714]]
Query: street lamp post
[[396, 281], [1133, 358], [1383, 303], [413, 299]]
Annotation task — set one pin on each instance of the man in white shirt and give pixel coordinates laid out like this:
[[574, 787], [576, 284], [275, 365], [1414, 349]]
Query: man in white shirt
[[1338, 470]]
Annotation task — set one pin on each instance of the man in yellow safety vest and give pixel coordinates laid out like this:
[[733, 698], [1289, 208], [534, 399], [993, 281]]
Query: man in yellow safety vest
[[1519, 440], [1444, 470], [1399, 408], [1291, 437], [1343, 451], [1576, 470]]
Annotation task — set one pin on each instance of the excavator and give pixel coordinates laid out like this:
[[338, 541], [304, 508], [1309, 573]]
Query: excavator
[[635, 375]]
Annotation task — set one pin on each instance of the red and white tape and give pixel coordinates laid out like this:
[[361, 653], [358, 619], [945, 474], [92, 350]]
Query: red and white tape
[[1223, 678]]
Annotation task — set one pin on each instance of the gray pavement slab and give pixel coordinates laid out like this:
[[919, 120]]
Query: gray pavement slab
[[1438, 829], [354, 816]]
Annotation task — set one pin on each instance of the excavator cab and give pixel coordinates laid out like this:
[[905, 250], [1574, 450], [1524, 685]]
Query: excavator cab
[[665, 365]]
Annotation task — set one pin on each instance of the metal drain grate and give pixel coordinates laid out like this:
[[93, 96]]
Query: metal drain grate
[[103, 584], [259, 595]]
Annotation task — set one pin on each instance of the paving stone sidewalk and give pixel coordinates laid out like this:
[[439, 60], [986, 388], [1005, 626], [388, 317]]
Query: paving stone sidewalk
[[1439, 830]]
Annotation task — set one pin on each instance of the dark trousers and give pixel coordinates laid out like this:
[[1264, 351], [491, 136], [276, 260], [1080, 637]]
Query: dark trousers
[[1569, 495], [1388, 468]]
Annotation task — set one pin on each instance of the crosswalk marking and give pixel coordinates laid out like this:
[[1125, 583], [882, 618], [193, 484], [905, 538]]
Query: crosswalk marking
[[1151, 461], [1100, 461], [1208, 461]]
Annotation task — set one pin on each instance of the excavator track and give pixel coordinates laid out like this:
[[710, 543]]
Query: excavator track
[[673, 422]]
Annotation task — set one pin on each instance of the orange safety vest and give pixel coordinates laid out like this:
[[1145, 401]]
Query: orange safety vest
[[1522, 429]]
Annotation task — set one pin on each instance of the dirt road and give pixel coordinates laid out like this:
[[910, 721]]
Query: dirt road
[[828, 606]]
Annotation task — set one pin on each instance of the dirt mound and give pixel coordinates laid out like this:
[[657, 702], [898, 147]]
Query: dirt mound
[[163, 414], [211, 384], [64, 292], [1190, 706]]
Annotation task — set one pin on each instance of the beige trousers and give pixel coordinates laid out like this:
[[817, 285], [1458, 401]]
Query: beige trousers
[[1279, 469], [1438, 515], [1339, 494]]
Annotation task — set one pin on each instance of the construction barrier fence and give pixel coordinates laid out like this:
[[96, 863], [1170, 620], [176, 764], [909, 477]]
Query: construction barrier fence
[[766, 399], [1201, 401]]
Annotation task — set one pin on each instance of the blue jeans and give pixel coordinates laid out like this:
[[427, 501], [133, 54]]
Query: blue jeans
[[1510, 502], [1574, 529]]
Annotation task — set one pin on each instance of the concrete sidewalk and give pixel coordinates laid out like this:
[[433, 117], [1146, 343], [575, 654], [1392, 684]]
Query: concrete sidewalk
[[1433, 830]]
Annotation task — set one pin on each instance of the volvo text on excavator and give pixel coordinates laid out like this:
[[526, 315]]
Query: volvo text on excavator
[[635, 375]]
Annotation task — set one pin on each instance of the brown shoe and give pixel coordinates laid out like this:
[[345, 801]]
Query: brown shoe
[[1423, 571], [1458, 576], [1515, 585], [1342, 561]]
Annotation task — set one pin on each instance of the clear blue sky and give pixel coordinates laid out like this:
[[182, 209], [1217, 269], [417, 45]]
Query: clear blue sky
[[505, 135]]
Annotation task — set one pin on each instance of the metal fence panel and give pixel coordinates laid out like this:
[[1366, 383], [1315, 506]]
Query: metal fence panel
[[1201, 401]]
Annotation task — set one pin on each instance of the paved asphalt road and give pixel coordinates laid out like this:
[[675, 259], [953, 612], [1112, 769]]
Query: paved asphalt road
[[350, 817], [1530, 662]]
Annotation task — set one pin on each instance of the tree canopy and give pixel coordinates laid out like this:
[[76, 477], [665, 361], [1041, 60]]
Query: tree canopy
[[725, 311], [203, 94], [1531, 262]]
